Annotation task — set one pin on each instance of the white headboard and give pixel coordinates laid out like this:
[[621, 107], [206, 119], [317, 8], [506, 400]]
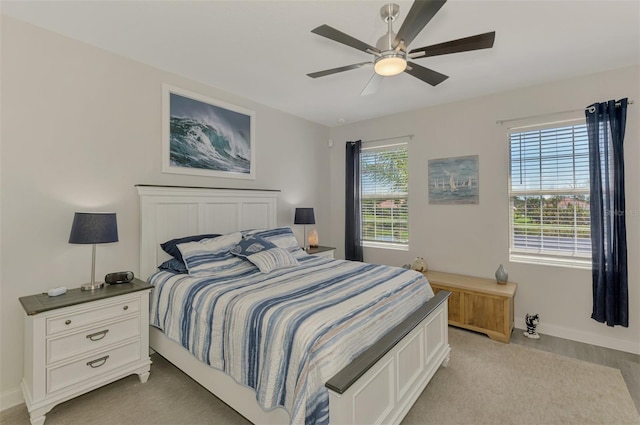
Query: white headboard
[[168, 212]]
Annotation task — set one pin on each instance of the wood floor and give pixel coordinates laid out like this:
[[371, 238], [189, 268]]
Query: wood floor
[[627, 363]]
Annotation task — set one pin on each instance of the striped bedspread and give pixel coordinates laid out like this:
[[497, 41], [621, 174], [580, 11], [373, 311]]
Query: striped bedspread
[[285, 333]]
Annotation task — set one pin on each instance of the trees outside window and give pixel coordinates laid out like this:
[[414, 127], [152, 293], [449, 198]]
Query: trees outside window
[[385, 202]]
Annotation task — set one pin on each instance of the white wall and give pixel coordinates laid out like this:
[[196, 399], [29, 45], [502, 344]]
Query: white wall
[[473, 239], [81, 127]]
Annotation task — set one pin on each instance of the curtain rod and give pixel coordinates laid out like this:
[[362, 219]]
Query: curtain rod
[[410, 136], [631, 102]]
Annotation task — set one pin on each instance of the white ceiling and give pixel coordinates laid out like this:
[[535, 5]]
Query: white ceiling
[[262, 50]]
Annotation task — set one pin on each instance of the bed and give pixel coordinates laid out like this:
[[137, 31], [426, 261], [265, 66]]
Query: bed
[[377, 385]]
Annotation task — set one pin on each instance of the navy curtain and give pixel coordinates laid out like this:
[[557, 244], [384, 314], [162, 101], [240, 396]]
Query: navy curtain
[[605, 124], [352, 223]]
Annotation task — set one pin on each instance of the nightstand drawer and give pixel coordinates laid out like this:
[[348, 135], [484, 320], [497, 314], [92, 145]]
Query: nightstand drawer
[[91, 316], [322, 251], [91, 339], [91, 366], [326, 254]]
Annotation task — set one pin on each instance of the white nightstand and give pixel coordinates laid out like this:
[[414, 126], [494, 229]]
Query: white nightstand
[[322, 251], [83, 340]]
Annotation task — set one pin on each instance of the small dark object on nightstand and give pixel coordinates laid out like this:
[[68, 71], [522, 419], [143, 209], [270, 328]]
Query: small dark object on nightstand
[[118, 277]]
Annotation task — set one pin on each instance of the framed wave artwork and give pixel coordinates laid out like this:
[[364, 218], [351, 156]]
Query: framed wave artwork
[[206, 137]]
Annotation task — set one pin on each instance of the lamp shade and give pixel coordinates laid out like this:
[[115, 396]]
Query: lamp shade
[[304, 216], [92, 228]]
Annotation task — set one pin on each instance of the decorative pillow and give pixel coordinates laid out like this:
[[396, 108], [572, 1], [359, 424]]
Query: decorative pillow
[[211, 256], [251, 245], [273, 259], [171, 247], [174, 265], [282, 237]]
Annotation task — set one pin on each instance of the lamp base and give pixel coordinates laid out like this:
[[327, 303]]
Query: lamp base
[[92, 286]]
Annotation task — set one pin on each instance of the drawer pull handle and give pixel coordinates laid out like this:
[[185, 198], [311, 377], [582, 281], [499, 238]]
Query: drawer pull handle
[[67, 322], [101, 359], [126, 307], [101, 334]]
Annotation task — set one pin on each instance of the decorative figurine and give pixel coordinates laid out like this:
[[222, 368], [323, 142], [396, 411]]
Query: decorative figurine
[[419, 265], [531, 321]]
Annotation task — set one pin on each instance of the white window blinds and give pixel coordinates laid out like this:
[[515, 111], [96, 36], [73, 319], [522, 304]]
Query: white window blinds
[[384, 189], [549, 195]]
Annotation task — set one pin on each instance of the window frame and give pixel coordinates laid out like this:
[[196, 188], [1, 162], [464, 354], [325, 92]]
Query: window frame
[[385, 146], [542, 257]]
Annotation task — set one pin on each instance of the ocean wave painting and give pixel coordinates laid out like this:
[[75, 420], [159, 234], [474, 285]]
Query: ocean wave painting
[[207, 139]]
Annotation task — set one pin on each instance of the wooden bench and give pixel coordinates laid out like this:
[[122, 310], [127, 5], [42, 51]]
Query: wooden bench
[[478, 304]]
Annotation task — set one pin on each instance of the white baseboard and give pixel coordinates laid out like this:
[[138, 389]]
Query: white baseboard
[[10, 398], [580, 336]]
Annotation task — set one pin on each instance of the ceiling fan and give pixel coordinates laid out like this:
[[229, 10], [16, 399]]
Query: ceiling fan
[[391, 54]]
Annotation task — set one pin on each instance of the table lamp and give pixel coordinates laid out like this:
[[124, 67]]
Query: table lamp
[[93, 228], [304, 216]]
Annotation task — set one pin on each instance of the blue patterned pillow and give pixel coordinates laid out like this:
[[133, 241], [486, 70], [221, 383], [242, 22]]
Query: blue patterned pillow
[[282, 237], [212, 256], [251, 245], [273, 259], [174, 265], [171, 247]]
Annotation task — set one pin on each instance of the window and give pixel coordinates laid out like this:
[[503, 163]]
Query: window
[[385, 203], [549, 195]]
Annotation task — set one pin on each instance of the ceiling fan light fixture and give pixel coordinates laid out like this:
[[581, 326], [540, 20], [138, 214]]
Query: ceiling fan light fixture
[[390, 65]]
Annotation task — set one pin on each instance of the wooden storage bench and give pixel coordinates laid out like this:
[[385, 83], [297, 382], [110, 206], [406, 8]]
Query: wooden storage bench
[[478, 304]]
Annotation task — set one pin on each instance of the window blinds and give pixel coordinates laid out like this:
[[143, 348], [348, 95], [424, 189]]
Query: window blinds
[[549, 191], [384, 186]]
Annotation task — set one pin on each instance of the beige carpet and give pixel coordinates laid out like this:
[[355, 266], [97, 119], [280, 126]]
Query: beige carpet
[[487, 382]]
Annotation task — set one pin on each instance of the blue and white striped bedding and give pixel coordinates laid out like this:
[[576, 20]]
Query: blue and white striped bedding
[[285, 333]]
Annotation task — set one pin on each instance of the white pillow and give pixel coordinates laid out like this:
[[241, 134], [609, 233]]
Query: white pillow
[[211, 256], [273, 259]]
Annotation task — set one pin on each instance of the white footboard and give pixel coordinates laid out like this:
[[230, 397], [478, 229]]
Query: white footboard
[[378, 387], [387, 390]]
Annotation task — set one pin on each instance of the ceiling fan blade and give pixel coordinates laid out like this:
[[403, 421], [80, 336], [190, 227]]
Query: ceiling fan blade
[[421, 12], [336, 70], [475, 42], [373, 85], [425, 74], [340, 37]]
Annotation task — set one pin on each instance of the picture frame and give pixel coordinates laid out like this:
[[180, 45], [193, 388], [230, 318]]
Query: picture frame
[[206, 137], [454, 180]]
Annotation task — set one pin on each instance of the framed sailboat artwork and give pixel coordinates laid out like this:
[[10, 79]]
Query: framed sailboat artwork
[[206, 137], [454, 180]]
